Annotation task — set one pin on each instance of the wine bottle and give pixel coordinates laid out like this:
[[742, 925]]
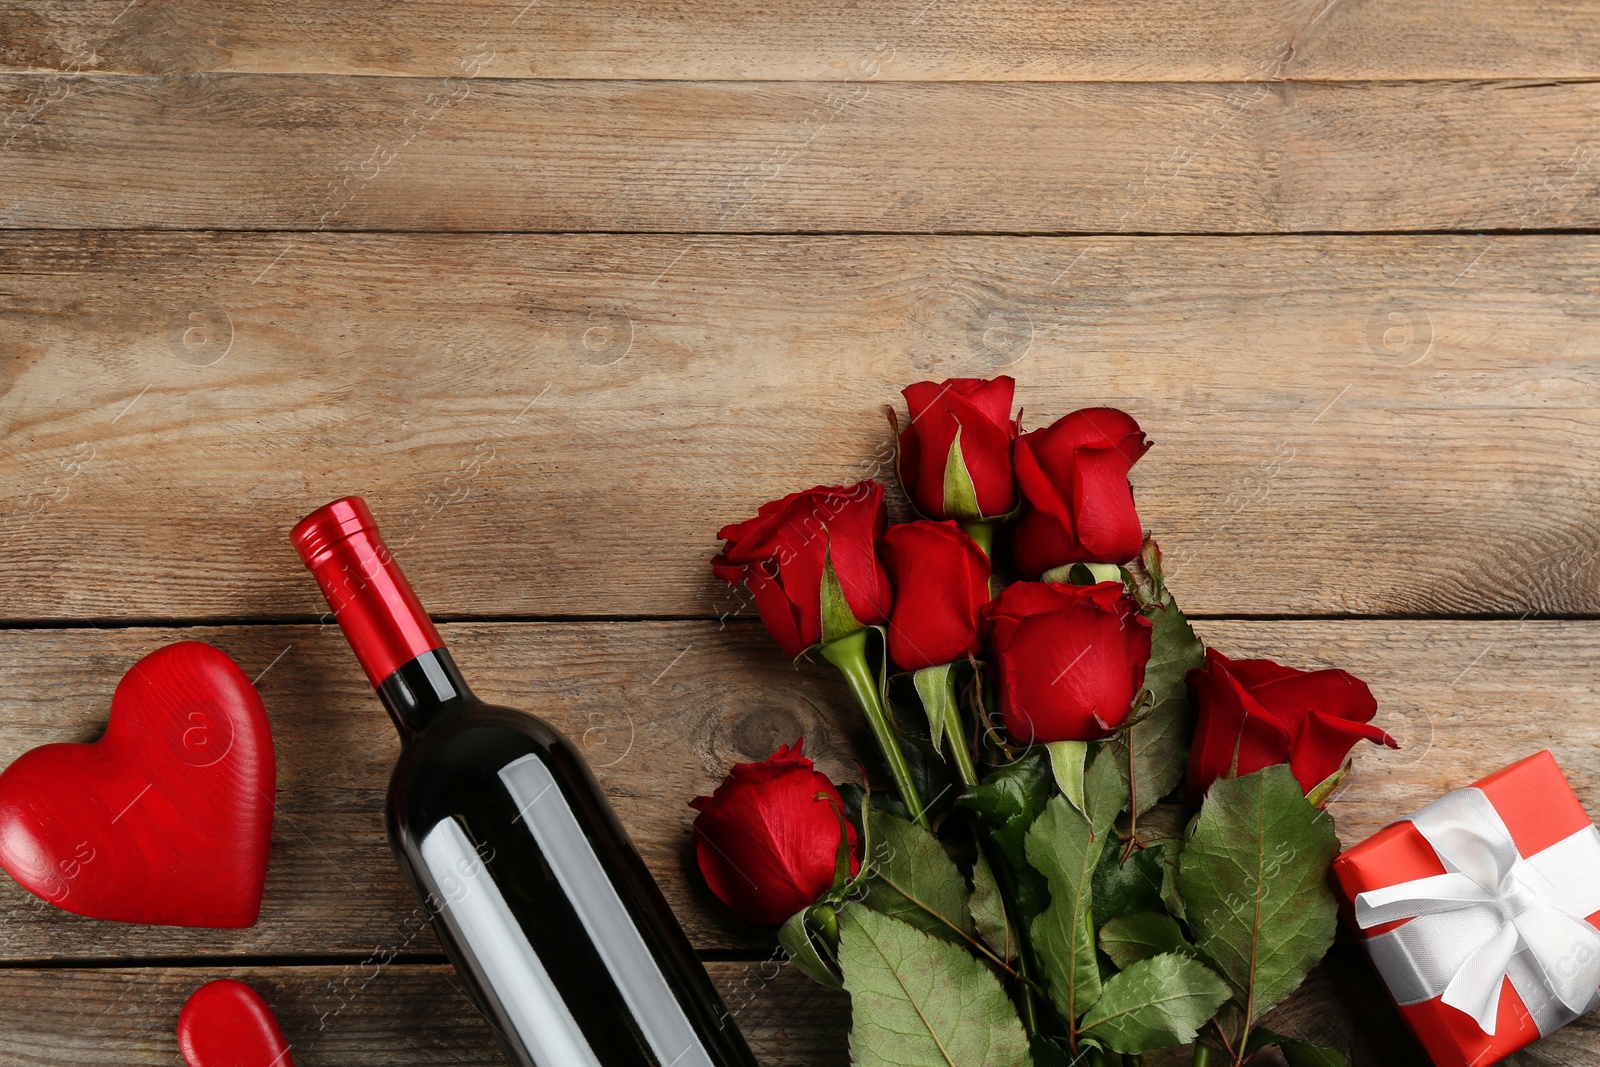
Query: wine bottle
[[541, 902]]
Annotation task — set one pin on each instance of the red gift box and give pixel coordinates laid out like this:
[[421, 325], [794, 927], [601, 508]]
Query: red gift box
[[1501, 870]]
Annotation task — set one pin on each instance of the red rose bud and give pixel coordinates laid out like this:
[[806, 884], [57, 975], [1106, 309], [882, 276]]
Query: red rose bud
[[1070, 659], [941, 582], [782, 553], [1254, 713], [768, 839], [955, 456], [1073, 475]]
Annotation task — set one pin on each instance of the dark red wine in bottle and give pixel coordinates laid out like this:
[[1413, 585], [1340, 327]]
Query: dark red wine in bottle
[[541, 902]]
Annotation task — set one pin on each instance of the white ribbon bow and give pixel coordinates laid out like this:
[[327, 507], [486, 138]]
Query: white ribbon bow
[[1493, 916]]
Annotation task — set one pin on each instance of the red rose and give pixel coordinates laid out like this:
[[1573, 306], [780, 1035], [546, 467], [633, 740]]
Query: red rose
[[971, 414], [941, 582], [1074, 477], [768, 839], [1070, 658], [779, 556], [1255, 713]]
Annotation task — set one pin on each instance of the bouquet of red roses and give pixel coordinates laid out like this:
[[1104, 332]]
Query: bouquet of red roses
[[1033, 890]]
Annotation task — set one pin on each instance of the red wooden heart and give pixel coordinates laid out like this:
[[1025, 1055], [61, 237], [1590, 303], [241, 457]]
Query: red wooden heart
[[226, 1024], [167, 818]]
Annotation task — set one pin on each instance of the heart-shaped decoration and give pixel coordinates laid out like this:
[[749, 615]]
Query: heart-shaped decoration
[[168, 817], [226, 1024]]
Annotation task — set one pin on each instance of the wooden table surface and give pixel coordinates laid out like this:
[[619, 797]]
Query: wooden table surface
[[562, 288]]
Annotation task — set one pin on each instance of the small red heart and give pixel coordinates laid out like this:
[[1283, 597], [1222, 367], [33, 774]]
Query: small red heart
[[226, 1024], [167, 818]]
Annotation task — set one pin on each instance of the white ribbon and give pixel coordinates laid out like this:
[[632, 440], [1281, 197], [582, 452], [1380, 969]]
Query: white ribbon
[[1493, 916]]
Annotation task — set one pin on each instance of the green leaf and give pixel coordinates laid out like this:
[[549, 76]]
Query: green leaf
[[1047, 1052], [1253, 875], [1296, 1052], [960, 495], [917, 1001], [797, 942], [989, 911], [1065, 845], [1067, 759], [1171, 899], [1156, 1003], [1127, 939], [1127, 886], [1160, 739], [837, 618], [1009, 800], [914, 880], [933, 687]]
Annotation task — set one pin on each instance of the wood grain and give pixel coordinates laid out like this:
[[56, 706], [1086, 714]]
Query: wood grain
[[557, 425], [353, 1016], [359, 1016], [324, 152], [664, 708], [1159, 40]]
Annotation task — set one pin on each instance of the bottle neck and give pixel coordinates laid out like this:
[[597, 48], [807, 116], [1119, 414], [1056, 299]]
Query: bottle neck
[[421, 691], [381, 617]]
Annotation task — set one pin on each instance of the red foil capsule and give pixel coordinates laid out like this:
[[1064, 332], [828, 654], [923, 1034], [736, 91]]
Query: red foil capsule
[[370, 597]]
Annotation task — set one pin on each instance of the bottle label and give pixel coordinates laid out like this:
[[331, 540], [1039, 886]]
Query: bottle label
[[545, 812], [472, 907]]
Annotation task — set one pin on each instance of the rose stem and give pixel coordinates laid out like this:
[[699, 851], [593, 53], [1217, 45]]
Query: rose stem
[[982, 533], [1133, 804], [849, 654], [956, 731]]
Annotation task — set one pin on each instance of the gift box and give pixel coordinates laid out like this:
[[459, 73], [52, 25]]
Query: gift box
[[1480, 913]]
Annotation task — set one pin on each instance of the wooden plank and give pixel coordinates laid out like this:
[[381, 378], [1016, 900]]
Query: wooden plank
[[323, 152], [558, 425], [360, 1016], [1160, 40], [663, 708]]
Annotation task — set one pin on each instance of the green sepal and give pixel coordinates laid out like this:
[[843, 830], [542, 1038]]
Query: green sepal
[[1085, 574], [837, 618], [1318, 797], [1150, 582], [797, 942], [841, 856], [933, 687], [1067, 760], [1159, 739], [960, 495]]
